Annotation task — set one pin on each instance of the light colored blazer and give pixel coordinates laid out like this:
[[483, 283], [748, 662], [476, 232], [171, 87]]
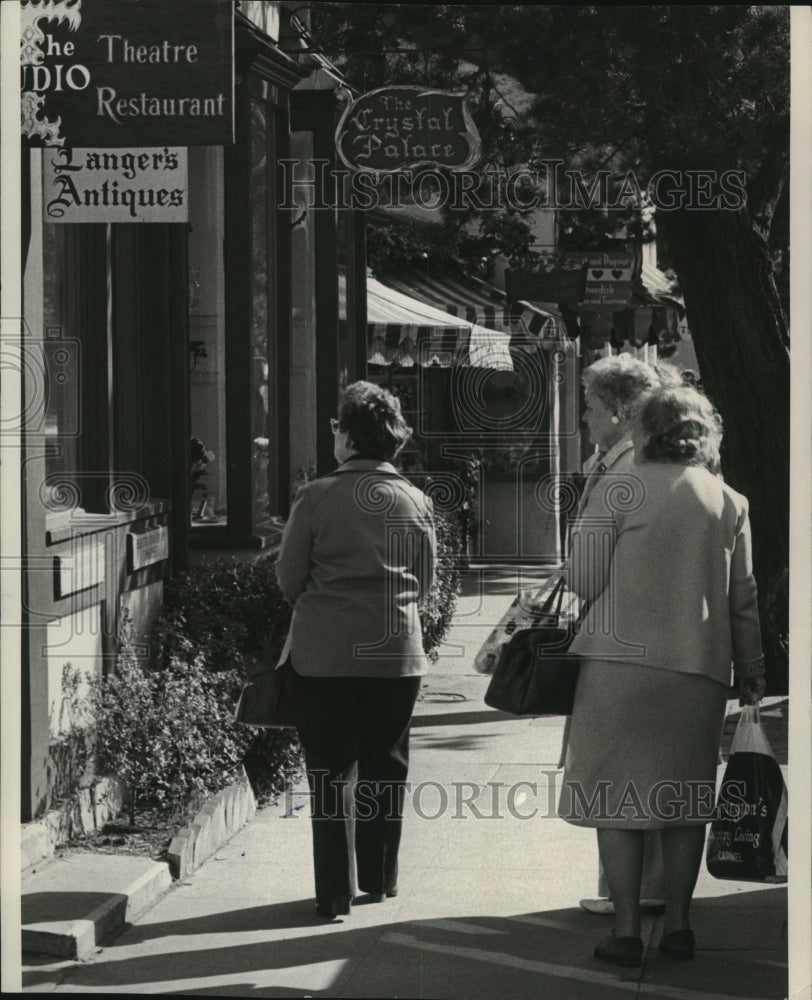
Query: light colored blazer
[[357, 554], [667, 568]]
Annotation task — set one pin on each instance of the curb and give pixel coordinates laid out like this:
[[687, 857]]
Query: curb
[[216, 823], [78, 903], [128, 894]]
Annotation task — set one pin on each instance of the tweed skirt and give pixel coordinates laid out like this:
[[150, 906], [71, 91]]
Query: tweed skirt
[[643, 747]]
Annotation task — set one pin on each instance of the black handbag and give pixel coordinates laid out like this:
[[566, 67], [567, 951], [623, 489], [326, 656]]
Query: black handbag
[[264, 701], [535, 674]]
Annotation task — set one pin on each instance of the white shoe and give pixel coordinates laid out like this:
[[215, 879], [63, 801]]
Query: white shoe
[[603, 907], [606, 908]]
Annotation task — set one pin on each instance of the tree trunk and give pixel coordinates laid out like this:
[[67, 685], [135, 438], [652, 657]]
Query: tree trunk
[[742, 347]]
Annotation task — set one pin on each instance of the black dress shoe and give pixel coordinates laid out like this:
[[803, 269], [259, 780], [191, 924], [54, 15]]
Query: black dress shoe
[[341, 906], [379, 897], [626, 951], [679, 944]]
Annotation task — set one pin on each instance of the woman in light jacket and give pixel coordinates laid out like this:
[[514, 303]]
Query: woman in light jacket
[[357, 555], [613, 390], [672, 605]]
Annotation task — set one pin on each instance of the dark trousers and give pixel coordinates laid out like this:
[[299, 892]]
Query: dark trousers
[[355, 734]]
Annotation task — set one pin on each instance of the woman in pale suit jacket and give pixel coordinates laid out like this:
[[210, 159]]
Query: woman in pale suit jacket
[[357, 555], [672, 605], [613, 389]]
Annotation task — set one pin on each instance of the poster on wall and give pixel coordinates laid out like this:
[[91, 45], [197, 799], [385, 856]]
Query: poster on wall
[[127, 72], [115, 185]]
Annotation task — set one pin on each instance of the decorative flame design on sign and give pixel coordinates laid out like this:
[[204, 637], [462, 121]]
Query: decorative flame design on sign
[[393, 128], [32, 38]]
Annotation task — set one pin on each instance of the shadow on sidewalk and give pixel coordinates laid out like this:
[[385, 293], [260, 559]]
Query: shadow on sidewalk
[[741, 944]]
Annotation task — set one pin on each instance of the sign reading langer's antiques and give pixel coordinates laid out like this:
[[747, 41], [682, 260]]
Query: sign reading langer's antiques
[[115, 185], [397, 127], [127, 72]]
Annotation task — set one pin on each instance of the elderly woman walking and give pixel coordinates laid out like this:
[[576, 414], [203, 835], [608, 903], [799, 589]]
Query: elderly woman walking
[[672, 605], [357, 555]]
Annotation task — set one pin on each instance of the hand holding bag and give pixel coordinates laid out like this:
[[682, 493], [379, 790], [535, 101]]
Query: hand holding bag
[[535, 674], [264, 702], [747, 840]]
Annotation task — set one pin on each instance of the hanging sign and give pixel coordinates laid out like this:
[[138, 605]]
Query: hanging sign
[[115, 185], [393, 128], [127, 72], [557, 285], [607, 276]]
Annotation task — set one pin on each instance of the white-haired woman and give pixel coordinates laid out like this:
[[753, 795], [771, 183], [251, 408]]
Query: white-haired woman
[[613, 390], [672, 605]]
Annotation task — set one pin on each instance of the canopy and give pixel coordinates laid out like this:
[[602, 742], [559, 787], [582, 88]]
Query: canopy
[[478, 302], [407, 331]]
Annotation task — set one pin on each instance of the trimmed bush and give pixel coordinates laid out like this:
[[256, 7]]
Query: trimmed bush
[[165, 725], [438, 607]]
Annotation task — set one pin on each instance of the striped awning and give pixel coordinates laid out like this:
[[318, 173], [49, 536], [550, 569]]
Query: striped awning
[[406, 331], [478, 302]]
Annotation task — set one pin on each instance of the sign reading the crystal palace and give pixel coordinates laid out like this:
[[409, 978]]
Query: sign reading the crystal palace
[[127, 72], [397, 127]]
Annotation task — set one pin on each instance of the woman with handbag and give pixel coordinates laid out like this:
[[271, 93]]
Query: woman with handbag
[[672, 605], [613, 390], [357, 555]]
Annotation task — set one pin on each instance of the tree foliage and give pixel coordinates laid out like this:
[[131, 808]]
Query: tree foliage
[[642, 89]]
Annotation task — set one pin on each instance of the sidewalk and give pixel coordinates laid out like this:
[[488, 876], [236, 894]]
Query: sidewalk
[[488, 903]]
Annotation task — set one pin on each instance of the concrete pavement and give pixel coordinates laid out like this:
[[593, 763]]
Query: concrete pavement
[[490, 883]]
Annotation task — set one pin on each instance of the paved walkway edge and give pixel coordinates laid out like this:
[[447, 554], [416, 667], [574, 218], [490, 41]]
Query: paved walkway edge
[[223, 815]]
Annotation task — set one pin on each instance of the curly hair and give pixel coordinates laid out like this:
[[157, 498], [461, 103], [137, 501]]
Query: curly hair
[[682, 426], [620, 382], [371, 417]]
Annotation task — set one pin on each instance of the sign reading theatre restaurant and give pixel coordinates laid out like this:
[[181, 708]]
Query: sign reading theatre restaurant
[[397, 127], [146, 73]]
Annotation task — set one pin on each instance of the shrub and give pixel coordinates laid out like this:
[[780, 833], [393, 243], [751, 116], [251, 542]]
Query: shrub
[[164, 724], [220, 610], [167, 733], [213, 615], [438, 607]]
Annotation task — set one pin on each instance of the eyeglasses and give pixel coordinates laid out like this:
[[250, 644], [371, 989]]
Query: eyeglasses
[[333, 424]]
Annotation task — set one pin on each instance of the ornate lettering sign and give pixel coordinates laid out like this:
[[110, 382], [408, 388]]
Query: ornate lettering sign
[[127, 72], [398, 127], [115, 185]]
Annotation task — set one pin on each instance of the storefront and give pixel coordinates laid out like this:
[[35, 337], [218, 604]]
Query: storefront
[[182, 375], [514, 408]]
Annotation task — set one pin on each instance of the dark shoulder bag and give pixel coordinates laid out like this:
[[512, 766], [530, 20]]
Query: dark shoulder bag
[[264, 701], [535, 674]]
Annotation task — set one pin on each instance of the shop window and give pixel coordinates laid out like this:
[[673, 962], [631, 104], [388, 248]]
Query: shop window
[[61, 368], [69, 367], [208, 486]]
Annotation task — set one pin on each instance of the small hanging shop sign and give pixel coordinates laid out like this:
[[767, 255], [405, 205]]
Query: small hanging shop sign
[[557, 285], [115, 185], [607, 276], [127, 72], [394, 128]]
